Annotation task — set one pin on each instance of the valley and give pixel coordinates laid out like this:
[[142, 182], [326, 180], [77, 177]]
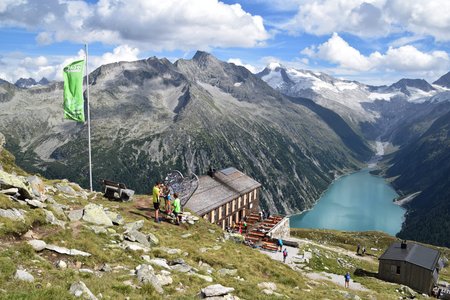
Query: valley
[[295, 133]]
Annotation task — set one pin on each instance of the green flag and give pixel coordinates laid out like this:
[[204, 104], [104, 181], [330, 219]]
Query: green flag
[[73, 91]]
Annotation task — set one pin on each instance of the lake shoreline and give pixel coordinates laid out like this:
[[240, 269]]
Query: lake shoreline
[[336, 207]]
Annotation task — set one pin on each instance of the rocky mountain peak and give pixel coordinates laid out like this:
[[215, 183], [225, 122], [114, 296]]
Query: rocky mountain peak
[[444, 80], [404, 84], [25, 82]]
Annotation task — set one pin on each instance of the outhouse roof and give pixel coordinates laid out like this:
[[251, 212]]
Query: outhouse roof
[[414, 253]]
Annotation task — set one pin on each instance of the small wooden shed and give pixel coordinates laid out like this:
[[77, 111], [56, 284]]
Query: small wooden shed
[[410, 264], [224, 197]]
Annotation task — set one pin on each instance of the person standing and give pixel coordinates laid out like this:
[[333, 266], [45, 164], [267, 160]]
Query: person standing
[[156, 193], [347, 279], [177, 208], [280, 244], [285, 254]]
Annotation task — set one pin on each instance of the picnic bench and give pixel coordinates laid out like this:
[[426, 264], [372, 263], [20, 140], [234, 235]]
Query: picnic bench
[[115, 190]]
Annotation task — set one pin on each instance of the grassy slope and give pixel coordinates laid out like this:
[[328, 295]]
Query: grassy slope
[[254, 267]]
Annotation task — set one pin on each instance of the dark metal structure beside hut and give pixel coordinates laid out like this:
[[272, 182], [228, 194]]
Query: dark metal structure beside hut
[[224, 197], [410, 264]]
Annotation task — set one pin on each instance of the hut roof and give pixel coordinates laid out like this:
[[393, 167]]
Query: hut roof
[[413, 253], [222, 187]]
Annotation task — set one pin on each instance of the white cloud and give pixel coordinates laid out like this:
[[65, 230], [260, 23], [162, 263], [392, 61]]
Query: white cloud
[[405, 58], [147, 24], [372, 18], [238, 62], [51, 66], [363, 18], [5, 4], [338, 51]]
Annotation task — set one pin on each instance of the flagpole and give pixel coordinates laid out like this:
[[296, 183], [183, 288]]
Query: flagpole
[[88, 117]]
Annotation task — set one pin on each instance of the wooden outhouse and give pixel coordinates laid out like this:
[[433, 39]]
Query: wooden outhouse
[[224, 197], [410, 264]]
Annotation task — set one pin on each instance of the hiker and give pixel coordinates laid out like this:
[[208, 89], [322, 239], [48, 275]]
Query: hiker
[[280, 244], [177, 208], [245, 226], [285, 254], [363, 251], [357, 249], [261, 216], [167, 198], [156, 193], [347, 279]]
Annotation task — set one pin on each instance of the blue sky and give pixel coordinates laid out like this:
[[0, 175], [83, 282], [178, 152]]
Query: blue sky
[[372, 41]]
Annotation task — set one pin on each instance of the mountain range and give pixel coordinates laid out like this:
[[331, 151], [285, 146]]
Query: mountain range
[[292, 130]]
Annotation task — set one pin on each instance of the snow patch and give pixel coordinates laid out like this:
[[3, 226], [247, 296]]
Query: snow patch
[[238, 83], [273, 65]]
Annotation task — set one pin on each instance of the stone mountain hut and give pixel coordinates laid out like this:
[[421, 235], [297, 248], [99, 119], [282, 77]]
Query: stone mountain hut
[[224, 197], [410, 264]]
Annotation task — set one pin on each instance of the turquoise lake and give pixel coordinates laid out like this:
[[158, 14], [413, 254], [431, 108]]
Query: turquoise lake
[[356, 202]]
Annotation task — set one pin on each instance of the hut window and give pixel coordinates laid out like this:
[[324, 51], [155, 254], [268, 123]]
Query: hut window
[[398, 270]]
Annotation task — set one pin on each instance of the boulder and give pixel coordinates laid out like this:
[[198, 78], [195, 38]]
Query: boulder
[[408, 291], [13, 214], [10, 191], [58, 208], [63, 250], [66, 189], [182, 268], [79, 289], [35, 203], [134, 226], [152, 239], [268, 285], [98, 229], [136, 236], [115, 218], [38, 245], [146, 275], [12, 181], [216, 290], [133, 246], [75, 215], [160, 262], [164, 279], [94, 213], [23, 276], [36, 185], [50, 218]]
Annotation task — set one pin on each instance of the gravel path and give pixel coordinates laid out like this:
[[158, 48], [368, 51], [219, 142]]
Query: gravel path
[[337, 279]]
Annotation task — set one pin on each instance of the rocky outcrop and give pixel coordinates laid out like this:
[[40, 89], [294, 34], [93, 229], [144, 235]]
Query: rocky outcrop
[[94, 213], [12, 181], [13, 214]]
